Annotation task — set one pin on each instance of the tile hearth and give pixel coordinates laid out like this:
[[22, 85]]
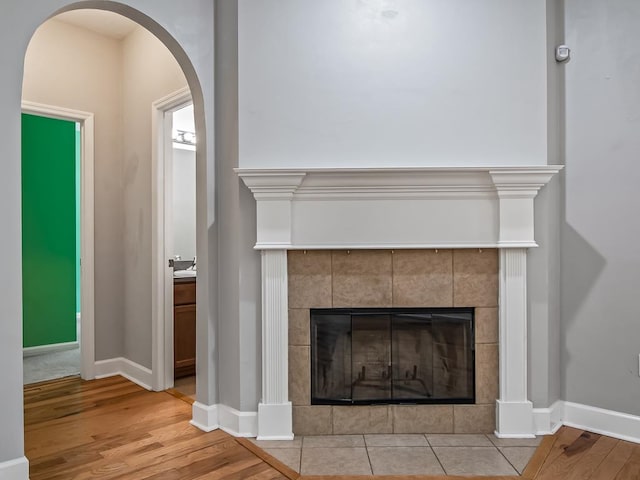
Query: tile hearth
[[408, 454]]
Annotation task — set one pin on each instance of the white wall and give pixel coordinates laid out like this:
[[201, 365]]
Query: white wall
[[149, 72], [600, 255], [68, 66], [397, 82], [184, 203]]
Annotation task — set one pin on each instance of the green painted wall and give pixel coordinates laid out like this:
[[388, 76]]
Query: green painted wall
[[78, 200], [48, 230]]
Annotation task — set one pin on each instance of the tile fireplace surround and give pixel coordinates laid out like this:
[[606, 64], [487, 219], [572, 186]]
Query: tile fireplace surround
[[386, 225], [393, 278]]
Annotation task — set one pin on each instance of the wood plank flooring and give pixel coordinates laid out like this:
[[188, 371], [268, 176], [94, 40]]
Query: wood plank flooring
[[113, 429]]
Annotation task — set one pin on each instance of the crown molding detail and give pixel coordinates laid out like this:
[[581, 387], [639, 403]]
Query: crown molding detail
[[432, 207]]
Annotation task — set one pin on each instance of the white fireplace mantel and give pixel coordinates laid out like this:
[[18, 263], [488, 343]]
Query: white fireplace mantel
[[429, 207], [457, 207]]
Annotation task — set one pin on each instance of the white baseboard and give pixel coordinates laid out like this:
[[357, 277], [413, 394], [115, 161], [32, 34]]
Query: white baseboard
[[42, 349], [548, 421], [275, 421], [204, 417], [17, 469], [125, 367], [237, 423], [605, 422], [514, 419], [232, 421]]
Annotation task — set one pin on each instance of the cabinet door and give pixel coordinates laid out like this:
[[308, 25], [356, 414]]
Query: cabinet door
[[184, 340]]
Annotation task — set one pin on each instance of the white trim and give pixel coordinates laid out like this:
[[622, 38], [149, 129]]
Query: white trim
[[395, 246], [275, 421], [204, 417], [87, 274], [548, 421], [126, 368], [44, 349], [605, 422], [275, 412], [237, 423], [514, 412], [16, 469], [162, 237], [396, 207]]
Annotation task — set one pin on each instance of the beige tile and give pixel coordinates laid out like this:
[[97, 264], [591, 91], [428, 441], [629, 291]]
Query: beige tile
[[459, 440], [422, 278], [396, 440], [422, 418], [332, 441], [309, 278], [289, 456], [335, 461], [362, 278], [486, 325], [514, 442], [299, 375], [475, 278], [362, 419], [264, 444], [299, 327], [404, 461], [474, 418], [473, 461], [312, 420], [518, 456], [486, 373]]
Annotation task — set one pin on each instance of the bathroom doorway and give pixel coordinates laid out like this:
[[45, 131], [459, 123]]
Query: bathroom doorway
[[176, 261]]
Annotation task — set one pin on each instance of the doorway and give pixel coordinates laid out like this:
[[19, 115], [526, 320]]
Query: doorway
[[183, 224], [175, 272], [57, 184]]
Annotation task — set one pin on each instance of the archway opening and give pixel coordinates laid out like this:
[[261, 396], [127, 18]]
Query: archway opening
[[98, 62]]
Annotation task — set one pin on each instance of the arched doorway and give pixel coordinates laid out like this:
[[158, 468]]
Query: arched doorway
[[114, 68], [182, 28]]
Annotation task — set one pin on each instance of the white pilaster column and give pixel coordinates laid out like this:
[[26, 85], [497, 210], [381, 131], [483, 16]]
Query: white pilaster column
[[275, 415], [514, 411]]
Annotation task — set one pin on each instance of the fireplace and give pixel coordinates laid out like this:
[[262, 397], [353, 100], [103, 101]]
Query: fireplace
[[365, 356], [463, 231]]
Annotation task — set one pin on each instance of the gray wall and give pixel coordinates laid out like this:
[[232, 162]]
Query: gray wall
[[149, 73], [544, 262], [600, 256], [336, 83], [239, 279]]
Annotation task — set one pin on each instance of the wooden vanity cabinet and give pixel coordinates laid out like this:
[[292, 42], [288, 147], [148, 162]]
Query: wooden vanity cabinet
[[184, 327]]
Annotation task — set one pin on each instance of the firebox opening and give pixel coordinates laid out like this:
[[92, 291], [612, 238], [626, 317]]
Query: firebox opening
[[392, 355]]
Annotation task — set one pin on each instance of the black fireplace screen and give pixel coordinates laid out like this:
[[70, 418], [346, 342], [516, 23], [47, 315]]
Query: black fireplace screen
[[395, 355]]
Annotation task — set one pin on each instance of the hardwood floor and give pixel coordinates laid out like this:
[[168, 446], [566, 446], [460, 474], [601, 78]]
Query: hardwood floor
[[113, 429]]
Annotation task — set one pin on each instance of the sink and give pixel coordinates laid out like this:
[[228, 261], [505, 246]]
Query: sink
[[184, 273]]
